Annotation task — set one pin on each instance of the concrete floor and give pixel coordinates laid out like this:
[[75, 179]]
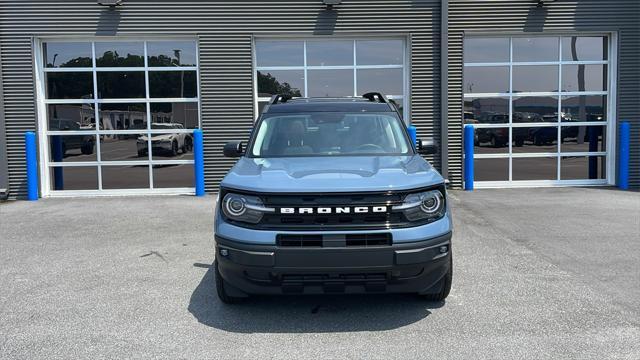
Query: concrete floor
[[539, 273]]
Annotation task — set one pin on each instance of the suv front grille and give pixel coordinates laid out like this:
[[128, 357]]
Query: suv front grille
[[379, 214], [369, 220], [323, 221]]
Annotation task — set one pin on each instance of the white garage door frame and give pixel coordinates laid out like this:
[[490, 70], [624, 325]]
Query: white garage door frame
[[611, 123], [46, 165], [402, 99]]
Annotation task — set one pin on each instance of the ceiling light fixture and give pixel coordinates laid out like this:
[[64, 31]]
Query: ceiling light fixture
[[110, 3], [540, 3], [331, 3]]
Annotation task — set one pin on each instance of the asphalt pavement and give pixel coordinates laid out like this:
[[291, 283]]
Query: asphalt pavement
[[538, 274]]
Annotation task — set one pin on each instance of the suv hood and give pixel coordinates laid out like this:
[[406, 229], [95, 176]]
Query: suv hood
[[331, 174]]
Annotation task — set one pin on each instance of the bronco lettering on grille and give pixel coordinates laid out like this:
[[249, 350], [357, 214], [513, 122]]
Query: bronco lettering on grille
[[333, 210]]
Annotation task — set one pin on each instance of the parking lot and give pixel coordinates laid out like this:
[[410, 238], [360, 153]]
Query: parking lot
[[538, 273]]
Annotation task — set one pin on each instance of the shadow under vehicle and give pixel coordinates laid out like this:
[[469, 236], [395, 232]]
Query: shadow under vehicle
[[306, 314], [166, 144]]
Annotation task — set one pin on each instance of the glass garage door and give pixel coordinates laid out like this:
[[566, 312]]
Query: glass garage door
[[540, 109], [330, 68], [119, 115]]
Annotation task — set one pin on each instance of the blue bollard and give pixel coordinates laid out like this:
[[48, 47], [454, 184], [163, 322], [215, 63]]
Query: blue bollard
[[469, 136], [623, 158], [32, 165], [413, 133], [198, 155]]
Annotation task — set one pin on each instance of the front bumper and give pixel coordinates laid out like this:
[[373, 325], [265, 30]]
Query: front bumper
[[414, 267]]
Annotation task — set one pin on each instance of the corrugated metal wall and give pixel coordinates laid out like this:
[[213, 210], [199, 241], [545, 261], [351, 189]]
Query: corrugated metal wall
[[225, 30], [518, 16], [19, 106]]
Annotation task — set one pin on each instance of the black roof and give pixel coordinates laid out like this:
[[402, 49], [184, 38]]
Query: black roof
[[350, 104]]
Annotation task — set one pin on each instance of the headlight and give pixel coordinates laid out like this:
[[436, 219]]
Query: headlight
[[422, 206], [244, 208]]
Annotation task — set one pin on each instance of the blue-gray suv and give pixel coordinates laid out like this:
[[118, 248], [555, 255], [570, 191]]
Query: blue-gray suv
[[332, 196]]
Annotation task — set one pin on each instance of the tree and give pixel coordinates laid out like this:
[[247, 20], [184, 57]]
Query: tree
[[268, 84]]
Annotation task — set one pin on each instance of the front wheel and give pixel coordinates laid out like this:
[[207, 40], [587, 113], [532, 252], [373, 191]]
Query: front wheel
[[222, 292], [188, 144], [87, 148], [174, 148], [444, 285], [537, 140], [495, 142]]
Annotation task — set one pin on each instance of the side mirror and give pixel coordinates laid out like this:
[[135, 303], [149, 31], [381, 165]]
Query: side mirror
[[233, 149], [427, 147]]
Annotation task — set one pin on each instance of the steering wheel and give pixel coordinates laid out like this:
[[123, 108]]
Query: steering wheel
[[372, 147]]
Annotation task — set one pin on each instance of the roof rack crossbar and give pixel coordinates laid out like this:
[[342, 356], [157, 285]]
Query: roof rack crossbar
[[375, 96]]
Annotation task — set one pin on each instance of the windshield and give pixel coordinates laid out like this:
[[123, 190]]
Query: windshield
[[330, 134]]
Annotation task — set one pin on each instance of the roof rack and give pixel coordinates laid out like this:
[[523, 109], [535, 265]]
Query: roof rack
[[275, 99], [278, 98], [375, 96]]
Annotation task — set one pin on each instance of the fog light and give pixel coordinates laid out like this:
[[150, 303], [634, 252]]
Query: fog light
[[443, 249], [224, 252]]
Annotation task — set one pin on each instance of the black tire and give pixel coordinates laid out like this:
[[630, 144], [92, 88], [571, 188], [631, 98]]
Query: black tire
[[174, 148], [519, 142], [496, 143], [444, 285], [87, 148], [188, 143], [537, 141], [222, 293], [141, 153]]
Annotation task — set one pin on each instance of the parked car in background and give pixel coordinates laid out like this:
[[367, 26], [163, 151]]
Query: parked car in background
[[497, 137], [522, 134], [570, 131], [544, 135], [166, 143], [85, 143], [137, 125], [470, 118]]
